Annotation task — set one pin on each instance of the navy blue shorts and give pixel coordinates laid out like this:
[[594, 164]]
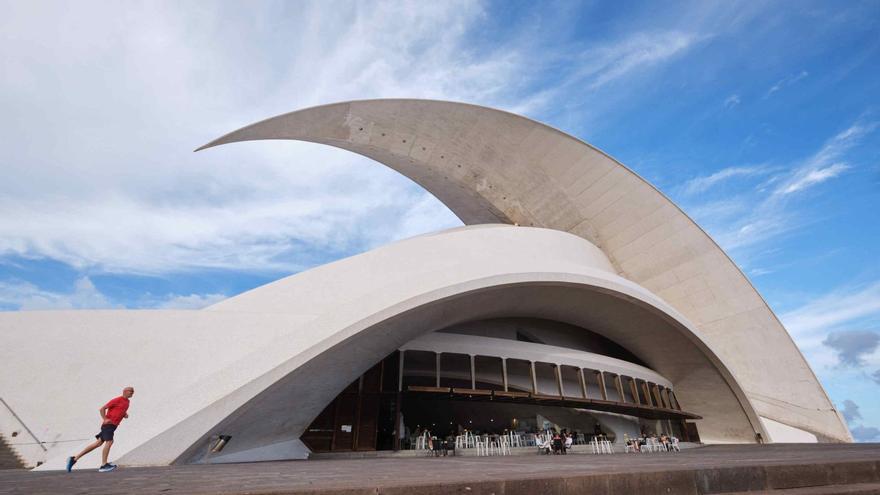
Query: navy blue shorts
[[106, 433]]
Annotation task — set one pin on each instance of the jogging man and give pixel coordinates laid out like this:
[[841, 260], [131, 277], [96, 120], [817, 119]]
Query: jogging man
[[112, 413]]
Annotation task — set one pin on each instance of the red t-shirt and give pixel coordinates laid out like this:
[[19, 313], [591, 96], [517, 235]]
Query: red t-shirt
[[116, 410]]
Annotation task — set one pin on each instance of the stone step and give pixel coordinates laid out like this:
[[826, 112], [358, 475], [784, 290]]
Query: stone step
[[854, 489], [8, 458]]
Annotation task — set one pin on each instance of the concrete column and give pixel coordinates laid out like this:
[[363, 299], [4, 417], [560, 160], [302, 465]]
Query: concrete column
[[647, 393], [504, 372], [619, 384], [635, 390], [583, 382], [534, 378], [473, 374], [559, 380], [400, 373], [437, 369]]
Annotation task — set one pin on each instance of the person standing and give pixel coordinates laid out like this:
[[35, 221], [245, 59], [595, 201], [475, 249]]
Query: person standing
[[112, 413]]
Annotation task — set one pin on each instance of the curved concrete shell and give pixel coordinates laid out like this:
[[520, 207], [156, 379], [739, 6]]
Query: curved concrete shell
[[612, 257], [491, 166], [262, 365]]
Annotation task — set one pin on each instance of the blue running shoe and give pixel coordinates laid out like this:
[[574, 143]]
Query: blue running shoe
[[70, 462]]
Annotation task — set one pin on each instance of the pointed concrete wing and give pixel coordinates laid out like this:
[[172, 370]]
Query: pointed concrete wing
[[490, 166]]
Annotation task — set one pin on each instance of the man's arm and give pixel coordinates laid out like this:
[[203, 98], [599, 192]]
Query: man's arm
[[103, 413]]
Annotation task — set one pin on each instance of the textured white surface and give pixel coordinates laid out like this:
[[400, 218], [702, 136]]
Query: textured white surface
[[491, 166], [261, 365], [780, 433]]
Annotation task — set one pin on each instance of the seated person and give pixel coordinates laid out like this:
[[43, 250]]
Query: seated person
[[450, 445], [634, 443], [557, 444], [546, 447], [436, 446], [664, 440]]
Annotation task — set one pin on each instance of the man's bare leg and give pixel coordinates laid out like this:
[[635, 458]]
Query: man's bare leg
[[92, 446], [106, 452]]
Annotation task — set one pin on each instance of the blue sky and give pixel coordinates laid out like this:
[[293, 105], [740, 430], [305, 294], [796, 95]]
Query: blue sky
[[761, 120]]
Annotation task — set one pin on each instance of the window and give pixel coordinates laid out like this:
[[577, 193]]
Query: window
[[519, 375], [545, 377], [627, 385], [611, 388], [571, 382], [488, 372], [391, 372], [419, 369], [455, 370], [642, 389], [664, 397]]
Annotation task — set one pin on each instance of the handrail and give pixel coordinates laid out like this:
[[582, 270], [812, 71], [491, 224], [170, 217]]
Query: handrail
[[24, 425]]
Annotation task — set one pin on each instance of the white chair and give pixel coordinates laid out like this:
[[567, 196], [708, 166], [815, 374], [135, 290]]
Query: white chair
[[674, 444], [660, 446], [514, 439], [421, 442], [481, 447], [532, 440], [504, 447]]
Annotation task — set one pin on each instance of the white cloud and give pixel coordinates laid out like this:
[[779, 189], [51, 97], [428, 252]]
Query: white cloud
[[832, 310], [851, 308], [701, 184], [812, 177], [637, 53], [785, 82], [826, 163], [192, 301], [623, 60], [770, 212], [759, 271], [27, 296], [732, 101], [109, 182]]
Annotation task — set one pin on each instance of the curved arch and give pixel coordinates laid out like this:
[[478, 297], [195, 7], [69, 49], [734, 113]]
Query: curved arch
[[701, 379], [490, 166], [450, 277]]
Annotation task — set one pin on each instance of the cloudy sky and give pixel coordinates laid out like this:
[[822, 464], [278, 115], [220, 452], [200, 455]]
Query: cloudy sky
[[761, 120]]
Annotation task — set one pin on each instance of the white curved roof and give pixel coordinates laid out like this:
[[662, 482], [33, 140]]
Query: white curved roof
[[492, 166], [262, 365]]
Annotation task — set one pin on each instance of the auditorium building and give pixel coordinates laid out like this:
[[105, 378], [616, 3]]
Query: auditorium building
[[576, 296]]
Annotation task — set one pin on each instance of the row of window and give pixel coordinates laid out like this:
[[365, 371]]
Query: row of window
[[431, 369]]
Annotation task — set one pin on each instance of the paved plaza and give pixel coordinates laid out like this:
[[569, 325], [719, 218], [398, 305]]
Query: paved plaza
[[712, 469]]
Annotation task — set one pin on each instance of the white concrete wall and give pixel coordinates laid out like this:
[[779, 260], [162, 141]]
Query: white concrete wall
[[780, 433], [490, 166], [261, 365]]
